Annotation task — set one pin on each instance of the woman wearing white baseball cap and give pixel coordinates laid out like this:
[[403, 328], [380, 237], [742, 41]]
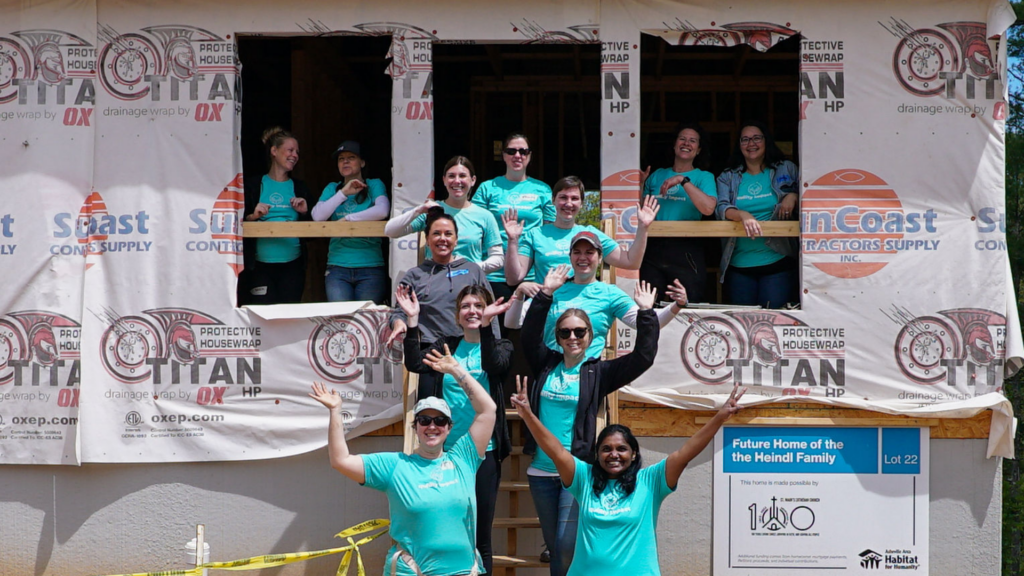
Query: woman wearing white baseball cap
[[431, 492]]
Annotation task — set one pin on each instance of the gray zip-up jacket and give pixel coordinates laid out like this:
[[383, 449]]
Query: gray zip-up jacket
[[436, 286], [785, 179]]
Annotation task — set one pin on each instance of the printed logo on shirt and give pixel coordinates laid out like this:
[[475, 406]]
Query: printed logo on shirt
[[562, 245], [437, 475], [454, 273], [610, 501], [754, 190], [277, 199], [563, 384]]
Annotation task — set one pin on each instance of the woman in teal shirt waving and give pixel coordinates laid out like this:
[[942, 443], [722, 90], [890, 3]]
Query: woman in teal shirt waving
[[280, 271], [355, 266], [618, 501], [431, 491], [759, 185]]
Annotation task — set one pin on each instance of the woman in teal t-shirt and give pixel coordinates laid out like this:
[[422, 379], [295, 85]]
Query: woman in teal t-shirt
[[759, 185], [479, 238], [279, 275], [431, 491], [685, 192], [618, 501], [355, 266]]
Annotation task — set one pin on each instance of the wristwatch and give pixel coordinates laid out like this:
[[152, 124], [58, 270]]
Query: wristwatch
[[686, 180]]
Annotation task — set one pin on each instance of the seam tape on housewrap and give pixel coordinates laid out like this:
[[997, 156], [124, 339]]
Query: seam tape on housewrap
[[272, 560]]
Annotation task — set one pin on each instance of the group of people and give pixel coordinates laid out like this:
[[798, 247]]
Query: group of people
[[515, 228], [587, 484]]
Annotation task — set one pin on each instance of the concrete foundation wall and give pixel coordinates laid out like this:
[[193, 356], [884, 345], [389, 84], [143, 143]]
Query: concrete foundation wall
[[112, 519]]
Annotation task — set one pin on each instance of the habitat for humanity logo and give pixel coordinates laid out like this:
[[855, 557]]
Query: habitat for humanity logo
[[93, 228], [870, 560], [349, 348], [853, 224], [962, 346], [895, 559], [219, 227], [47, 67], [41, 348], [179, 346], [765, 349]]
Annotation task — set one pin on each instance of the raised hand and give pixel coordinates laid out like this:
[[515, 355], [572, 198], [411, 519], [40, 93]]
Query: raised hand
[[353, 187], [644, 294], [555, 279], [398, 330], [646, 211], [407, 301], [422, 208], [443, 363], [496, 308], [732, 405], [527, 290], [513, 226], [520, 400], [328, 397], [677, 292]]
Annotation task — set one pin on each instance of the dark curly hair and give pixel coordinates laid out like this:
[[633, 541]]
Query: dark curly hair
[[436, 213], [773, 156], [628, 478]]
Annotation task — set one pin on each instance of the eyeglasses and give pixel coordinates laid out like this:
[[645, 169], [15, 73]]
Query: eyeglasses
[[439, 421], [755, 139], [564, 333], [521, 151]]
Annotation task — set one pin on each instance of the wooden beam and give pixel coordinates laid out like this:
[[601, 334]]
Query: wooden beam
[[720, 229], [335, 229]]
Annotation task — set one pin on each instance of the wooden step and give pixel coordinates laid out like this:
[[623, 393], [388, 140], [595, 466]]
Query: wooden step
[[519, 562], [514, 486], [516, 451], [516, 523]]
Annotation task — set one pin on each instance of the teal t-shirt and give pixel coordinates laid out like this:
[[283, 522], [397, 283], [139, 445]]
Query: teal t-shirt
[[602, 302], [278, 195], [468, 356], [755, 196], [676, 205], [354, 252], [617, 533], [433, 506], [559, 399], [548, 246], [477, 231], [531, 197]]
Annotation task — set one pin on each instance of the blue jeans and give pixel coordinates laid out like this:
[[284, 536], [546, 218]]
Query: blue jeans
[[558, 513], [771, 286], [348, 284]]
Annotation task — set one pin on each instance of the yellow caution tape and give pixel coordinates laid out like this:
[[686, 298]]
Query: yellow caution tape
[[271, 560]]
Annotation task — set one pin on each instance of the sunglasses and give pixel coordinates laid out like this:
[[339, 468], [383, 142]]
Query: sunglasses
[[564, 333], [521, 151], [439, 421]]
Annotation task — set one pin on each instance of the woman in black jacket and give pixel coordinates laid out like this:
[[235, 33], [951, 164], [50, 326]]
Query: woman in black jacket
[[566, 397], [486, 359], [279, 273]]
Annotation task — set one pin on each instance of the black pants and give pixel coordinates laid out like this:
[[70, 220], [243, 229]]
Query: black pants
[[668, 259], [488, 477], [278, 283]]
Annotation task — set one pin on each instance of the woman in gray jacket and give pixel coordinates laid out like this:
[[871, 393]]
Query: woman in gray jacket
[[759, 185]]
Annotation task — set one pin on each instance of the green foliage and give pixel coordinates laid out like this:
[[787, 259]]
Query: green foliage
[[590, 212]]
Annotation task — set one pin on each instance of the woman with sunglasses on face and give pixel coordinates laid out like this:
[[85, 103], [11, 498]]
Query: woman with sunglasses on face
[[618, 501], [570, 387], [431, 491], [530, 197], [759, 185], [479, 237], [535, 252], [685, 192], [436, 282], [279, 275], [486, 359], [355, 266]]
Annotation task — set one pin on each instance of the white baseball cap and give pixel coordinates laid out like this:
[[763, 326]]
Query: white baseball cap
[[433, 403]]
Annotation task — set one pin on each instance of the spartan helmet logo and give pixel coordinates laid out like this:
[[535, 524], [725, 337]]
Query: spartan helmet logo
[[979, 344], [44, 344], [50, 62], [764, 343], [978, 58], [182, 342], [181, 59]]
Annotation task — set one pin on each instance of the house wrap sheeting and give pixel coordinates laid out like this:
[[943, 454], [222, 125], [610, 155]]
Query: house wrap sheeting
[[122, 186]]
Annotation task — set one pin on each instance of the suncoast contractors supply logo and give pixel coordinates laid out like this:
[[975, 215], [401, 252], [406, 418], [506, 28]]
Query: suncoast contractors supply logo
[[172, 63], [98, 231], [47, 67], [218, 229], [765, 349], [169, 346], [964, 348], [620, 192], [952, 60], [352, 348], [853, 224], [41, 349]]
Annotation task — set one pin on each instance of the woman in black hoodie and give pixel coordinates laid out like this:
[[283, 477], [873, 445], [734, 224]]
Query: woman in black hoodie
[[485, 359]]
